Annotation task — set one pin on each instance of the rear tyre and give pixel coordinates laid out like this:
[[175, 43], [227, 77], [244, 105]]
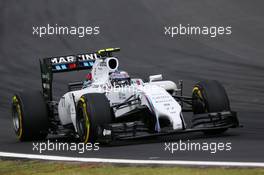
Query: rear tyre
[[93, 110], [30, 116], [210, 96]]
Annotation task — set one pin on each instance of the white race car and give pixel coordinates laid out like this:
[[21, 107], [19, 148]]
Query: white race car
[[110, 105]]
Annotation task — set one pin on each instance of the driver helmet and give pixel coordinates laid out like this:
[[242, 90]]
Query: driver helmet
[[119, 78]]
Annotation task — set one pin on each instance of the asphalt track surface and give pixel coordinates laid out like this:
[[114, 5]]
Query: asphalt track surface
[[137, 27]]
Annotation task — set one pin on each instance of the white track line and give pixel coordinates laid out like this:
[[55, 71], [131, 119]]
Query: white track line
[[131, 161]]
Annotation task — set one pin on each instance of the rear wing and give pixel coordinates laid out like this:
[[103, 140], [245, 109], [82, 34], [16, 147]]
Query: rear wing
[[59, 64]]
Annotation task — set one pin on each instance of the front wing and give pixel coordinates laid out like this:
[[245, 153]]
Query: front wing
[[137, 129]]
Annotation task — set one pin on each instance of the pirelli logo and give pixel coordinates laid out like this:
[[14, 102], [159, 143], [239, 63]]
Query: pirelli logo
[[74, 58]]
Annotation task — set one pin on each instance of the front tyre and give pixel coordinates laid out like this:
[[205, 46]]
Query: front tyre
[[208, 97], [93, 110], [30, 116]]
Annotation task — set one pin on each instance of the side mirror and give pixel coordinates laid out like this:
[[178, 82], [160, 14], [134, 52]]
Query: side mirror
[[155, 77]]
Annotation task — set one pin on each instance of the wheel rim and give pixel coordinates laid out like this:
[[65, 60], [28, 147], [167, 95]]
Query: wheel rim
[[16, 121], [83, 122], [17, 117], [197, 94], [81, 127]]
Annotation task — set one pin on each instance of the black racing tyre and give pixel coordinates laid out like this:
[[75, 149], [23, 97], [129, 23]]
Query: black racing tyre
[[93, 110], [210, 96], [30, 116]]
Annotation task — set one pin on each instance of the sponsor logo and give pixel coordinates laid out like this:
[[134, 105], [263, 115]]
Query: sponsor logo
[[72, 58]]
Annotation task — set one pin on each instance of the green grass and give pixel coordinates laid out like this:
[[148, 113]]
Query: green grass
[[64, 168]]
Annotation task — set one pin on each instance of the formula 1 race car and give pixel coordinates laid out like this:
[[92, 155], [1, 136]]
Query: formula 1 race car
[[110, 105]]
